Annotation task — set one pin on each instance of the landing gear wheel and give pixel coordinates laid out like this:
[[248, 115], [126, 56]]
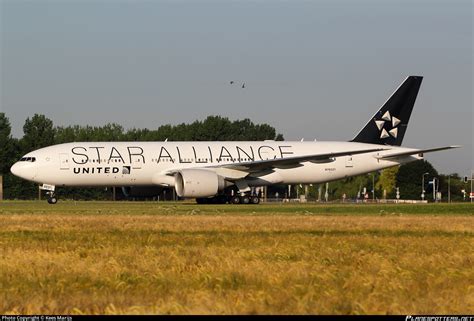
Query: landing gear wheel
[[245, 200], [235, 199], [255, 200], [52, 200]]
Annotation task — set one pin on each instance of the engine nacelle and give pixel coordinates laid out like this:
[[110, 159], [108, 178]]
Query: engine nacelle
[[198, 183]]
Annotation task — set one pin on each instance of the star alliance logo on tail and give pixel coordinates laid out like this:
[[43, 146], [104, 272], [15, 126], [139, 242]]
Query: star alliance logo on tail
[[392, 121]]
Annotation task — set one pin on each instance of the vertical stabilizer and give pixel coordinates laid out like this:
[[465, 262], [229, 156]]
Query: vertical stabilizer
[[389, 124]]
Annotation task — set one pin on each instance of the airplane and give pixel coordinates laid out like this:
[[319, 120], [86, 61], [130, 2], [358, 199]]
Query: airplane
[[228, 171]]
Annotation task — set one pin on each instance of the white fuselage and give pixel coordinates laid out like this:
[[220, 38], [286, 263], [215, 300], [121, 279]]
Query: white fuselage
[[149, 163]]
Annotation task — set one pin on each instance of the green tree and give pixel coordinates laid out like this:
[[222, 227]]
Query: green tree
[[409, 178], [456, 185], [109, 133], [14, 187], [7, 148], [387, 182], [351, 186], [279, 137], [38, 132], [65, 134], [213, 128]]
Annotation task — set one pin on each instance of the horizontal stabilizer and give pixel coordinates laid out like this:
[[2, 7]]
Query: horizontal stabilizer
[[415, 151]]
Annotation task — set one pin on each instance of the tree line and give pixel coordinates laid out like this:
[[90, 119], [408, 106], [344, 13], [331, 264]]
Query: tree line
[[39, 131]]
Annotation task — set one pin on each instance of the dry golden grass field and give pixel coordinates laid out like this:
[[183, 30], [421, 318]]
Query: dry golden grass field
[[120, 258]]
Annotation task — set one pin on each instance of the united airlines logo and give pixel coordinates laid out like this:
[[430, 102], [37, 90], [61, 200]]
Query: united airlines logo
[[388, 125]]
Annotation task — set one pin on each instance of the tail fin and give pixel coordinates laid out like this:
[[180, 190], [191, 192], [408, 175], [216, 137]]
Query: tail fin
[[389, 124]]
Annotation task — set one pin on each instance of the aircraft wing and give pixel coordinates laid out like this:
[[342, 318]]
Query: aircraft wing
[[413, 152], [291, 162], [240, 170]]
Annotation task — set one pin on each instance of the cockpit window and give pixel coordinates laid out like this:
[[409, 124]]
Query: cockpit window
[[28, 159]]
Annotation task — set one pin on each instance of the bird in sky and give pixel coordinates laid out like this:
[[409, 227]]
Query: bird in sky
[[233, 82]]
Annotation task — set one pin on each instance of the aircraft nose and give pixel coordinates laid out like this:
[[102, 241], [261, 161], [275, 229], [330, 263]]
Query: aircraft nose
[[24, 170], [15, 169]]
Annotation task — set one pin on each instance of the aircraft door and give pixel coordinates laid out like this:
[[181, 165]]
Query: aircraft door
[[137, 163], [349, 162], [64, 161]]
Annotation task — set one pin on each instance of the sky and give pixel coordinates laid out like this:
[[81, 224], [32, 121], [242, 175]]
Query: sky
[[312, 69]]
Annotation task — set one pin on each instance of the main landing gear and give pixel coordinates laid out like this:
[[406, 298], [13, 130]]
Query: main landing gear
[[244, 199], [223, 199], [232, 196], [52, 199]]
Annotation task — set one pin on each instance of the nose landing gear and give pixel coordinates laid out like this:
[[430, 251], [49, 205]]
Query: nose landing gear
[[52, 199]]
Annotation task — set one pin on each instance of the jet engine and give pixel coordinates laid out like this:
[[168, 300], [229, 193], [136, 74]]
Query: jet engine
[[198, 183]]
